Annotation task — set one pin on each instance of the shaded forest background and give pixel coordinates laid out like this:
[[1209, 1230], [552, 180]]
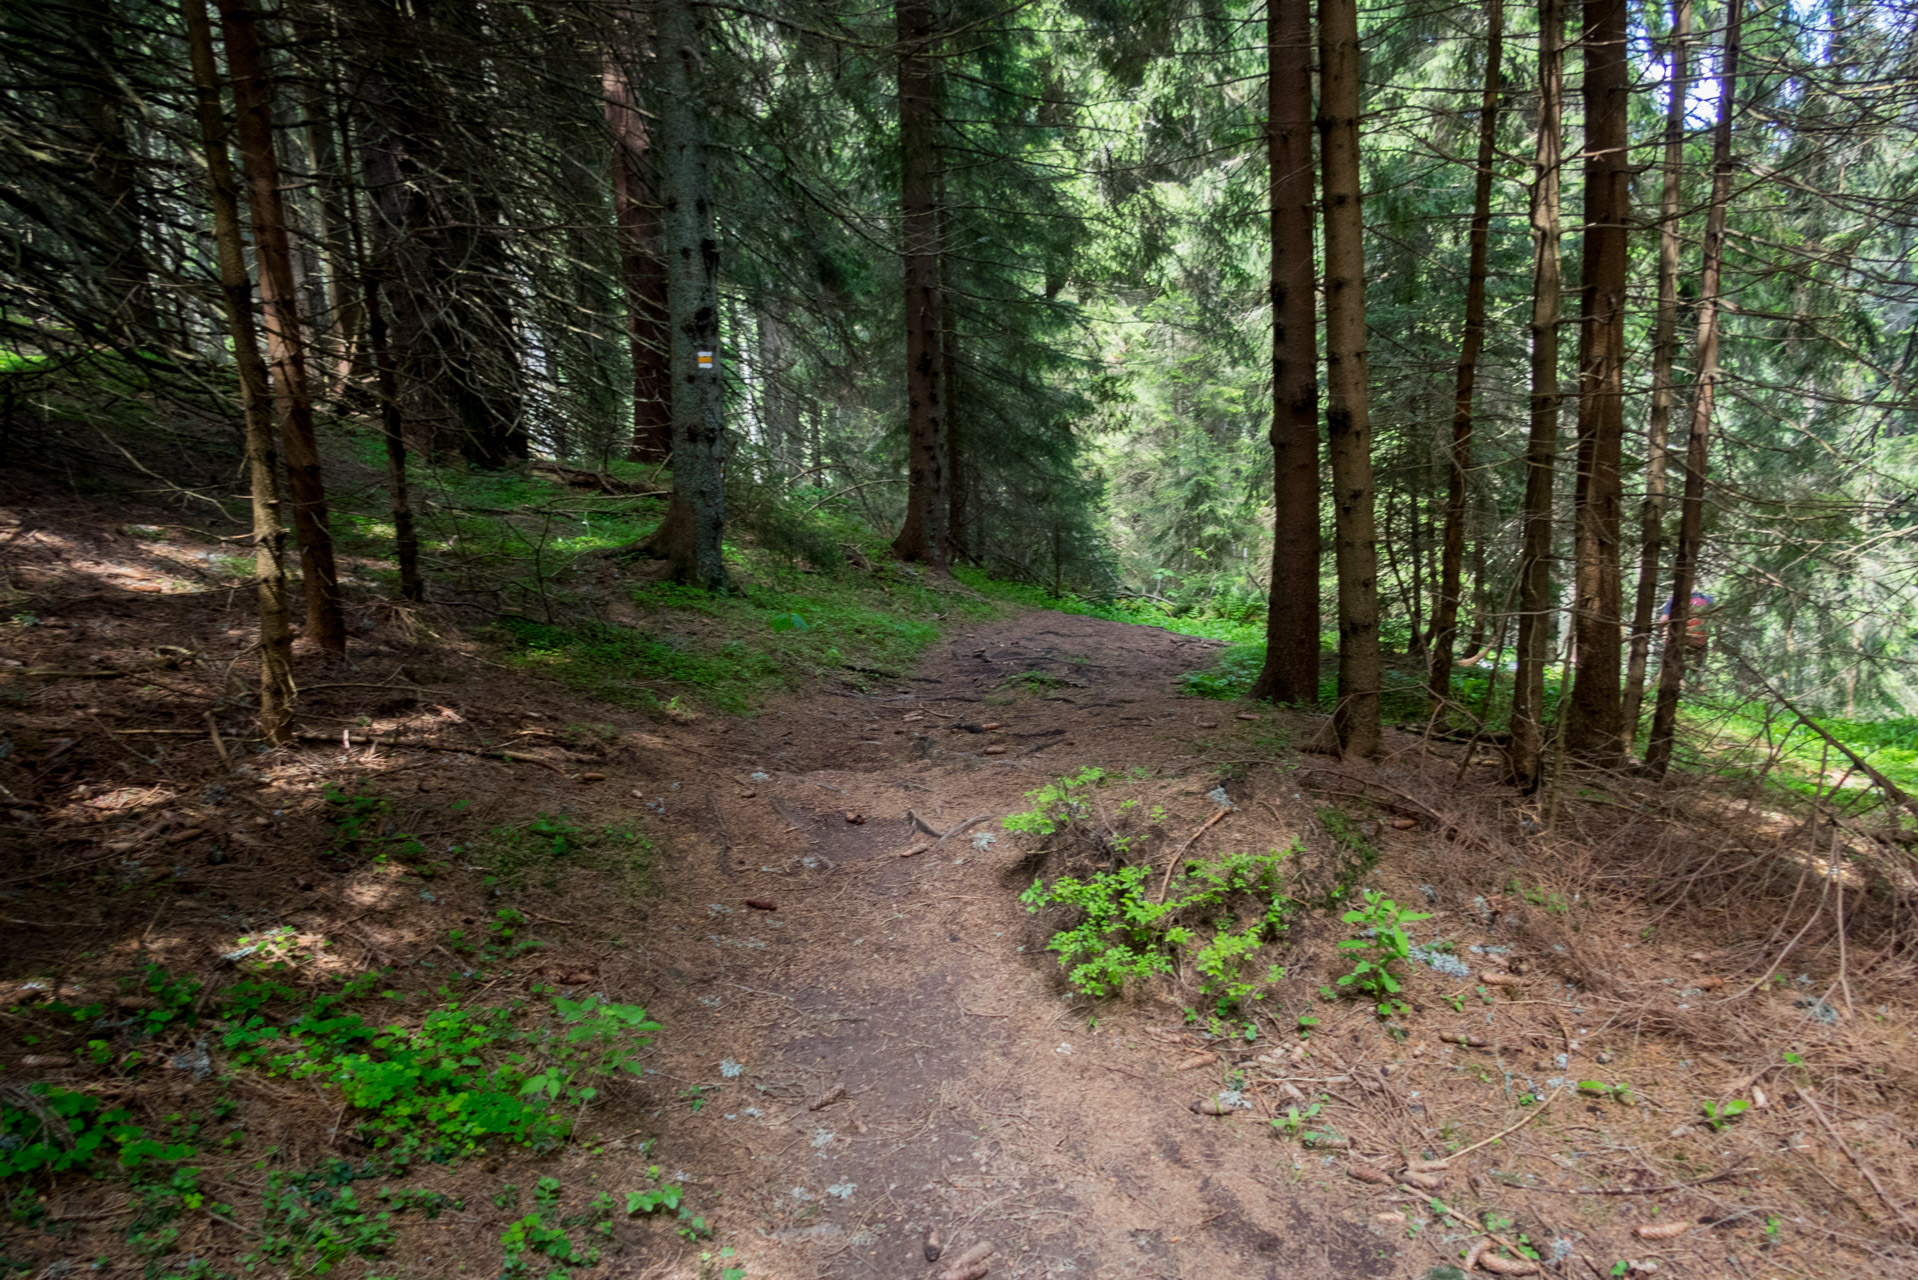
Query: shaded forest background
[[478, 475], [461, 219]]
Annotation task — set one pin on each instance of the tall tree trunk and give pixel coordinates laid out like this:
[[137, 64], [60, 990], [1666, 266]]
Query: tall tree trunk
[[262, 461], [253, 100], [636, 212], [1348, 418], [1691, 520], [1664, 354], [343, 294], [923, 535], [1541, 451], [482, 348], [1291, 671], [690, 536], [371, 308], [780, 407], [438, 227], [960, 474], [126, 275], [1592, 729], [1452, 556], [406, 543]]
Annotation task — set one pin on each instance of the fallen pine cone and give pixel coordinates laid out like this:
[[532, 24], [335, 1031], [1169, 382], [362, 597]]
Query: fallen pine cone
[[1390, 1218], [1500, 980], [1500, 1265], [1211, 1107], [1459, 1037], [762, 904], [969, 1265], [1404, 824], [1423, 1181], [989, 726], [827, 1098], [1203, 1060], [592, 777], [1365, 1173], [1662, 1231]]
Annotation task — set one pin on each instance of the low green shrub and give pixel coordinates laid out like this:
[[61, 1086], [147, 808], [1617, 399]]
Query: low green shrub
[[464, 1077], [1122, 935], [1383, 944]]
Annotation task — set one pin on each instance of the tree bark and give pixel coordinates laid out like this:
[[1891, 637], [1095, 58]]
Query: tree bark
[[1541, 450], [126, 275], [923, 535], [1348, 419], [1593, 731], [690, 536], [1291, 671], [1691, 520], [1452, 554], [779, 407], [253, 99], [1664, 356], [406, 543], [439, 233], [344, 297], [262, 462], [636, 213], [960, 478]]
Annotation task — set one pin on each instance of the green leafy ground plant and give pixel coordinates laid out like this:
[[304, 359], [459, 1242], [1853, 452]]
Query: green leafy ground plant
[[1383, 945], [1122, 935]]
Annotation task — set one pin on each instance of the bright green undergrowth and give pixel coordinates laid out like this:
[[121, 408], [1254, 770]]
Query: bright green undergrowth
[[1215, 915], [1741, 738], [1189, 620], [730, 652], [1735, 738]]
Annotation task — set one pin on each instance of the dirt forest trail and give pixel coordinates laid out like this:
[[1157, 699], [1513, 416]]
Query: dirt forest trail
[[977, 1103], [1621, 1076]]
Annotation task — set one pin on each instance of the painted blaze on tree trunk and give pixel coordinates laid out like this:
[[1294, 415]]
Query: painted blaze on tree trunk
[[1592, 728], [923, 536], [1348, 425], [1291, 672], [690, 536]]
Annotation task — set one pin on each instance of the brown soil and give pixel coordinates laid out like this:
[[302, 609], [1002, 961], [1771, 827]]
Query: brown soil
[[982, 1100]]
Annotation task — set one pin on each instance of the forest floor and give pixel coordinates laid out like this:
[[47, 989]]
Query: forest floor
[[863, 1040]]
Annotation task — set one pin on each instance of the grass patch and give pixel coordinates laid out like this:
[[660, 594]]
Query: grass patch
[[1144, 613], [1739, 738], [744, 647]]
